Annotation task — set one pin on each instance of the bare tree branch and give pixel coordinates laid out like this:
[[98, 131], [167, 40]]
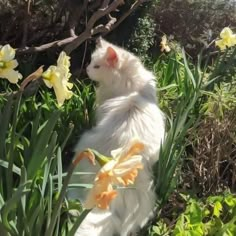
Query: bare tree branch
[[72, 42], [94, 18], [44, 47]]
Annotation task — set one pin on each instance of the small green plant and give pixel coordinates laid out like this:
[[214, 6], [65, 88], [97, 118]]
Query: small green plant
[[214, 217], [160, 229]]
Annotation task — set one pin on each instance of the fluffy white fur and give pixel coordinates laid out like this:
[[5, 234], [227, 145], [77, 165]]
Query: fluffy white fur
[[127, 109]]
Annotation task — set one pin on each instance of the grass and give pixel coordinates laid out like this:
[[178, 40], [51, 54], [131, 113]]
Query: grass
[[37, 138]]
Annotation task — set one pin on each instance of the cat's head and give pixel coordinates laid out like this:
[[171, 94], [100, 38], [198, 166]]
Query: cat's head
[[117, 69], [105, 62]]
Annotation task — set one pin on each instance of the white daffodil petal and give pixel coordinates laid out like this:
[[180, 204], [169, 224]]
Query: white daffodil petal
[[63, 60], [60, 95], [12, 75], [108, 166], [124, 167], [226, 32], [7, 53], [117, 152], [69, 85]]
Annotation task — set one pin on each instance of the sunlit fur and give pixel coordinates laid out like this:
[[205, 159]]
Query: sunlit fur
[[127, 109]]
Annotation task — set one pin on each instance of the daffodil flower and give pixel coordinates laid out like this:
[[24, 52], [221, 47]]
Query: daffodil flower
[[8, 64], [121, 170], [228, 39], [58, 78], [164, 44]]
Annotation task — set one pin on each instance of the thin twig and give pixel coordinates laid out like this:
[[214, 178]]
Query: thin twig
[[133, 7], [104, 28]]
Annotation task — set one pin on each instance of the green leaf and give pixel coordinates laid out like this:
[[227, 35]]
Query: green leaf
[[230, 200], [39, 155], [5, 116], [196, 213], [11, 204], [59, 169], [15, 169], [217, 209]]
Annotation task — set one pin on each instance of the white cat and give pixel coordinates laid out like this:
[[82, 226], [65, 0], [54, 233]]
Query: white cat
[[127, 109]]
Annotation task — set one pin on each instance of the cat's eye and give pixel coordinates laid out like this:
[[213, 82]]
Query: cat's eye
[[96, 67]]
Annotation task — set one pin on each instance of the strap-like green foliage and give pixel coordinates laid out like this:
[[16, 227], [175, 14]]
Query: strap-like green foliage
[[32, 183]]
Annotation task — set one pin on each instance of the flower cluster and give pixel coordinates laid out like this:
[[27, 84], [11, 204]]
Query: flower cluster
[[121, 170], [55, 76], [8, 64], [228, 39], [58, 78]]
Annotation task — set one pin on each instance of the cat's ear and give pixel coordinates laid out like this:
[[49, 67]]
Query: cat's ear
[[111, 57]]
